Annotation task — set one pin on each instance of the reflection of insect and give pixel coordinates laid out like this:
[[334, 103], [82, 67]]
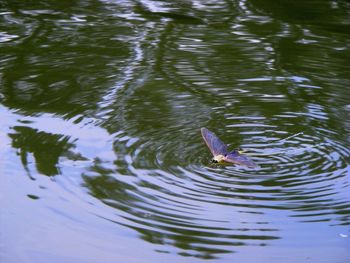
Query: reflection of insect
[[221, 153]]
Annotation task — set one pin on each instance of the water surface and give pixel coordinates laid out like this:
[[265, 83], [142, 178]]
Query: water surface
[[101, 105]]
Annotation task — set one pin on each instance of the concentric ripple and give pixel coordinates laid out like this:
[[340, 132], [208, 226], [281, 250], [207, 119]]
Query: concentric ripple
[[167, 188], [101, 108]]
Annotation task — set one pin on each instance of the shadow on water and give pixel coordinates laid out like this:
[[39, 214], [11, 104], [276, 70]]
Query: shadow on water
[[107, 98]]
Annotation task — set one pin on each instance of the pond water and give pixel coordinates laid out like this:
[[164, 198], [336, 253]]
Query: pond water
[[101, 105]]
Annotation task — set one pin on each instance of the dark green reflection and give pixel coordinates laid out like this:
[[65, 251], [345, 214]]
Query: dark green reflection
[[149, 74], [46, 148], [162, 225]]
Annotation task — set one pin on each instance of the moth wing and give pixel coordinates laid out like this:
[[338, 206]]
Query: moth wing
[[236, 158], [215, 145]]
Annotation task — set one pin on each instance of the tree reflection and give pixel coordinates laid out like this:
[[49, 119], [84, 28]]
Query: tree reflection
[[163, 225], [46, 148]]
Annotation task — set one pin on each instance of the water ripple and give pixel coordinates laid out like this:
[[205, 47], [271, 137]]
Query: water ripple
[[108, 104]]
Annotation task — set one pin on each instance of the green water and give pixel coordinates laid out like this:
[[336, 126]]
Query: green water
[[101, 156]]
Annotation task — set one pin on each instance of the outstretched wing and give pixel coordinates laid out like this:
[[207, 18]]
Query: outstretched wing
[[236, 158], [215, 145]]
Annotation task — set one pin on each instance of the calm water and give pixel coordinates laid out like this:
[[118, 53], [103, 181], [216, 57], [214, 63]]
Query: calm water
[[101, 105]]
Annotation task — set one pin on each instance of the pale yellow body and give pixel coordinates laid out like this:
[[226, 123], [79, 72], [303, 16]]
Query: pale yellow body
[[219, 158]]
